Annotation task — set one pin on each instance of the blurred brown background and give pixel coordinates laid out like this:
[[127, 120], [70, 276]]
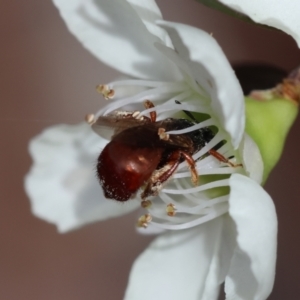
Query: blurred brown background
[[48, 78]]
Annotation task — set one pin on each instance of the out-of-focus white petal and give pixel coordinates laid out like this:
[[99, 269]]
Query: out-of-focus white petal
[[283, 15], [213, 71], [178, 265], [252, 160], [114, 32], [252, 271], [62, 184]]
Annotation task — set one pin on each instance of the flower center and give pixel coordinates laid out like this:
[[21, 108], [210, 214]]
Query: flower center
[[180, 203]]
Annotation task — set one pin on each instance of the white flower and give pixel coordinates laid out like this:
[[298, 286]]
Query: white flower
[[238, 244], [283, 15]]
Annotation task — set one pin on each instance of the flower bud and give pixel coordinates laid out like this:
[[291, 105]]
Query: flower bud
[[269, 117]]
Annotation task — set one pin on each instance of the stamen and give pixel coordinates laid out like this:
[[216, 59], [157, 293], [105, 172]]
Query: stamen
[[217, 139], [193, 197], [203, 124], [146, 204], [136, 114], [212, 171], [106, 92], [171, 210], [155, 94], [194, 222], [174, 107], [145, 83], [90, 119], [185, 94], [162, 134], [198, 209], [144, 220], [214, 184]]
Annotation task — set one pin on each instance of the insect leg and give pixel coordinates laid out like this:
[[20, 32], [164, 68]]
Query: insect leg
[[223, 159], [149, 104], [192, 165], [161, 175]]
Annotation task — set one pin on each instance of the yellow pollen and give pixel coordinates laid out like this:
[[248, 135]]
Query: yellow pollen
[[90, 119], [171, 210], [144, 220], [106, 92]]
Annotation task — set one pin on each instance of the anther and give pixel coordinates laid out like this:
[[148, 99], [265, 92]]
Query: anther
[[146, 203], [135, 114], [90, 119], [149, 104], [105, 91], [171, 210], [162, 134], [144, 220]]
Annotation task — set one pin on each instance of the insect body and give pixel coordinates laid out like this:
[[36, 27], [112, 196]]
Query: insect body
[[142, 154]]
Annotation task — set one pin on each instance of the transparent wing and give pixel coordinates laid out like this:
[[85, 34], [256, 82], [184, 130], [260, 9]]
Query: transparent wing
[[112, 124]]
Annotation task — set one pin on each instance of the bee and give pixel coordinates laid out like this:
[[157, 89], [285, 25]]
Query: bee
[[141, 154]]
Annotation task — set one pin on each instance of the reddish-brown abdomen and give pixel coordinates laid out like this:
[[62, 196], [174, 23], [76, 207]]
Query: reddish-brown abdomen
[[122, 168]]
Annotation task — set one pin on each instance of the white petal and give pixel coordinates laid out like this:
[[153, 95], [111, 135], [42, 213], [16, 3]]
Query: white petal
[[252, 270], [283, 15], [149, 12], [113, 32], [221, 260], [62, 184], [252, 160], [178, 265], [207, 61]]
